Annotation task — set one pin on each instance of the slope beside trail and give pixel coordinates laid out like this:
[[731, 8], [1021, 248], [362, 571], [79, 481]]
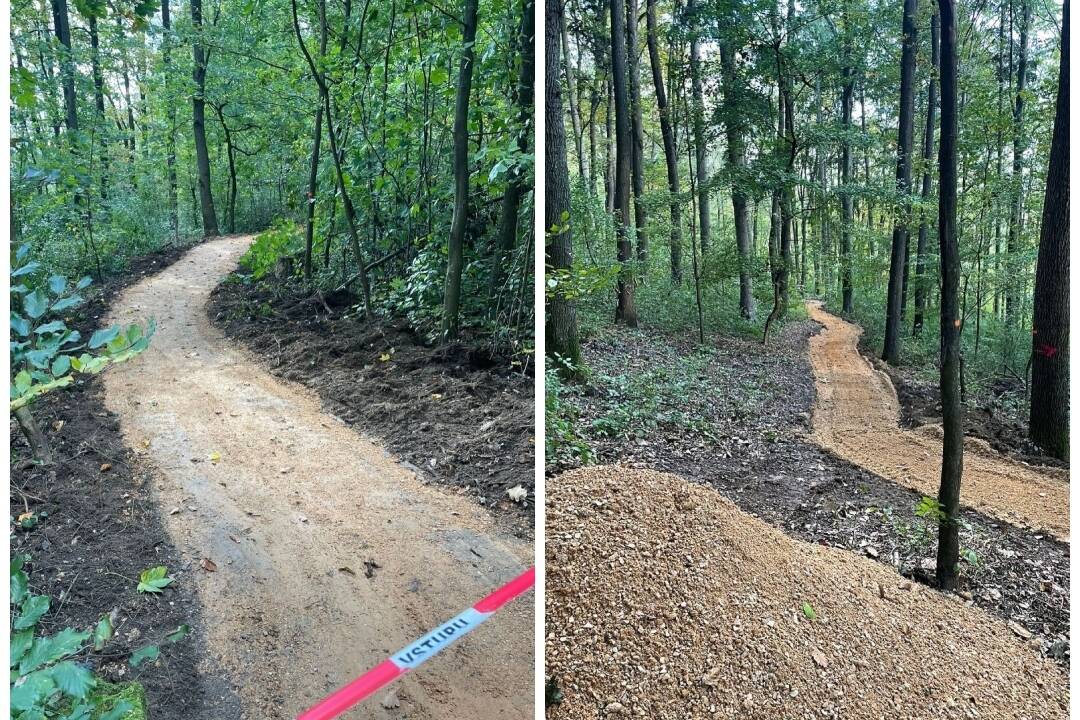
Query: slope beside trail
[[329, 554], [664, 600], [857, 417]]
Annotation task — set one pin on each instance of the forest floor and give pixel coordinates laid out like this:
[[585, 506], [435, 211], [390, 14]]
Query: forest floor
[[664, 600], [455, 413], [738, 416], [316, 552], [97, 527]]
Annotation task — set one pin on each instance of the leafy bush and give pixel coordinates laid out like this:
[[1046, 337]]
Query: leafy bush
[[563, 444], [45, 352], [46, 681], [283, 239]]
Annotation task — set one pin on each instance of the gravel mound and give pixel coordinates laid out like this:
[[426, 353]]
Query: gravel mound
[[664, 600]]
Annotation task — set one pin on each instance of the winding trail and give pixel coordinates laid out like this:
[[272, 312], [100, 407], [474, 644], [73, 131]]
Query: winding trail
[[857, 417], [289, 503]]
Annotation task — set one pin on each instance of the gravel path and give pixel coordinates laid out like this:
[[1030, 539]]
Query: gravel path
[[323, 553], [857, 416], [666, 601]]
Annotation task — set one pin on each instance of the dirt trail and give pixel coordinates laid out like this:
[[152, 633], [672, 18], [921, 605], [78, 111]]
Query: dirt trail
[[290, 503], [857, 417]]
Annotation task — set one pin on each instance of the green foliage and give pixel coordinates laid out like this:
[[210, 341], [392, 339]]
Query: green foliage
[[808, 611], [283, 240], [154, 580], [45, 353], [562, 442], [46, 681], [930, 509]]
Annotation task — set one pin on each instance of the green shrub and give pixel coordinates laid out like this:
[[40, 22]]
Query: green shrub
[[283, 239]]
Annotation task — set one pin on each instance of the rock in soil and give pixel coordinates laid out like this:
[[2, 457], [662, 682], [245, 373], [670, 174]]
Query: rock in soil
[[669, 609]]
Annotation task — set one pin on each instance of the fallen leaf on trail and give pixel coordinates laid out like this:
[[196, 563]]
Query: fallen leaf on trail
[[820, 660], [436, 396], [391, 702], [106, 467], [348, 570], [517, 493], [215, 457], [145, 443], [234, 538], [208, 565], [58, 425]]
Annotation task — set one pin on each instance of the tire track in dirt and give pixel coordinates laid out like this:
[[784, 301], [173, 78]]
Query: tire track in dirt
[[857, 417], [294, 505]]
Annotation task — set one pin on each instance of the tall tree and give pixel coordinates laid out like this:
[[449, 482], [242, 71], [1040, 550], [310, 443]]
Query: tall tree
[[198, 124], [671, 157], [700, 146], [625, 311], [1049, 418], [905, 139], [952, 458], [170, 129], [736, 151], [456, 243], [928, 152], [847, 219], [637, 134], [560, 318], [1012, 287]]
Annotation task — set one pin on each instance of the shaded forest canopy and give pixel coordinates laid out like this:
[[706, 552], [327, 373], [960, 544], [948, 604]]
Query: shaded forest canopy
[[389, 141], [724, 159]]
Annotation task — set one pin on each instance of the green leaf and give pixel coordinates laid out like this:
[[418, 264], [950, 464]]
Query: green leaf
[[61, 366], [19, 584], [26, 269], [808, 611], [47, 650], [103, 632], [20, 643], [178, 634], [150, 652], [35, 304], [22, 251], [20, 324], [67, 302], [32, 691], [83, 283], [57, 284], [120, 710], [103, 336], [51, 327], [73, 679], [31, 610], [154, 580]]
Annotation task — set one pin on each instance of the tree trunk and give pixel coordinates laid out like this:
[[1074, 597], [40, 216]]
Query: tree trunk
[[456, 243], [847, 214], [736, 151], [928, 152], [39, 444], [313, 173], [671, 157], [625, 311], [560, 326], [575, 111], [518, 186], [198, 125], [952, 459], [894, 305], [700, 148], [1012, 247], [170, 139], [99, 98], [67, 67], [637, 154], [1049, 419]]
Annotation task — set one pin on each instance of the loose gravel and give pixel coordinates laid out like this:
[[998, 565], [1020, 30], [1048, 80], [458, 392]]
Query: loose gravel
[[664, 600]]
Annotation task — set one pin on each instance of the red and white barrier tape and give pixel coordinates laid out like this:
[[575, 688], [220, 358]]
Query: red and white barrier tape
[[414, 654]]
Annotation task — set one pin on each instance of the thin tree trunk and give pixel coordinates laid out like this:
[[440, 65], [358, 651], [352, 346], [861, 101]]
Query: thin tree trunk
[[67, 67], [700, 147], [170, 130], [575, 111], [625, 311], [952, 459], [847, 213], [1012, 248], [198, 125], [736, 151], [894, 305], [671, 157], [560, 318], [928, 152], [637, 134], [456, 243]]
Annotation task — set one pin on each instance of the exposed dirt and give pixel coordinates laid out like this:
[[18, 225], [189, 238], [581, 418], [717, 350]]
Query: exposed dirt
[[755, 448], [97, 530], [289, 503], [857, 417], [457, 414], [665, 601], [994, 419]]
